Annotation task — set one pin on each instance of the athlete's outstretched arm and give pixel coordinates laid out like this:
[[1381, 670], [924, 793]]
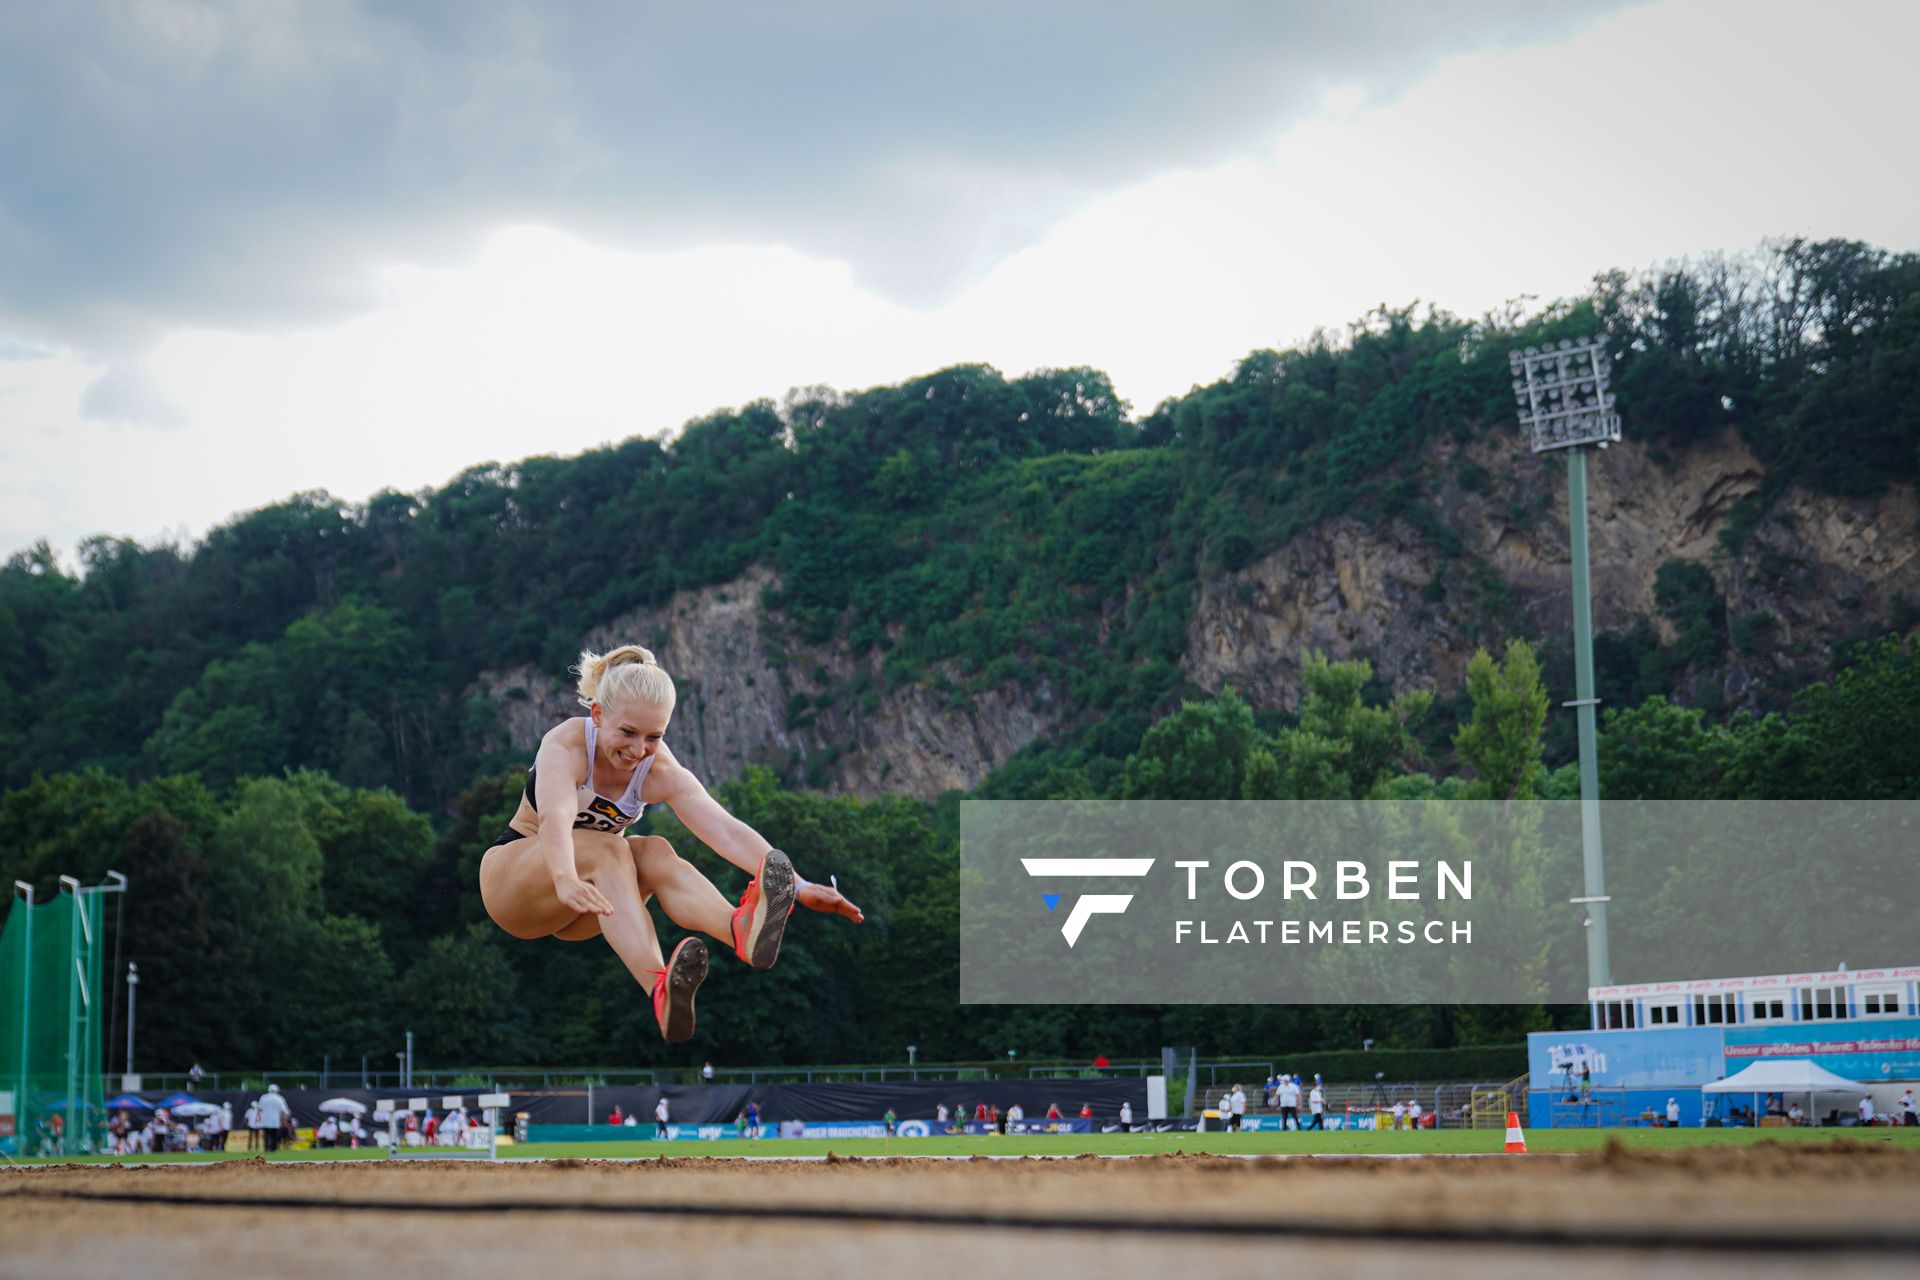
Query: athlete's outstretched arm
[[734, 840]]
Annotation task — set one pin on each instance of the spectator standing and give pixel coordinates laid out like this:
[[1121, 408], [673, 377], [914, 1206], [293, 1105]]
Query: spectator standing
[[1908, 1114], [890, 1120], [706, 1072], [1413, 1113], [1289, 1095], [1399, 1115], [1673, 1113], [1016, 1115], [1866, 1108], [941, 1115], [253, 1126], [1317, 1104], [1126, 1117], [753, 1120], [1239, 1102], [194, 1076], [616, 1115], [660, 1113], [274, 1113]]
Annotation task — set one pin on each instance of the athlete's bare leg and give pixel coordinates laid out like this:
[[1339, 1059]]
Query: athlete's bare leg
[[688, 897], [518, 891]]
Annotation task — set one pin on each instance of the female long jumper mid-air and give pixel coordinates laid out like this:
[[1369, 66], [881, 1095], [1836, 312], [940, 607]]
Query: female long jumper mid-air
[[565, 868]]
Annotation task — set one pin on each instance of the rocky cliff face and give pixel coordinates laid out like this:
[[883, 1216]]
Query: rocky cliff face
[[746, 698], [1817, 567]]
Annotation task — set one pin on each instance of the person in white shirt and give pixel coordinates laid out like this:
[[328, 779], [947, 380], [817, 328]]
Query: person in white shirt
[[660, 1118], [1289, 1096], [1317, 1104], [1126, 1117], [273, 1115], [1015, 1114], [1908, 1114], [328, 1134], [1866, 1109], [1399, 1115], [1794, 1114], [1413, 1113], [253, 1126], [1239, 1102], [1673, 1113]]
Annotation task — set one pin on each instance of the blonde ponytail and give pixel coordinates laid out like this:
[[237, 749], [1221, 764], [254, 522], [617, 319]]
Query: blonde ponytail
[[626, 674]]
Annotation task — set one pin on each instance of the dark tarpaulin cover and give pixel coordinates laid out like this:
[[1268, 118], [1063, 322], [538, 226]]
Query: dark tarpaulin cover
[[719, 1104]]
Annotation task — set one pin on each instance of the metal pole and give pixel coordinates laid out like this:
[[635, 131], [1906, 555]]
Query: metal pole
[[133, 988], [26, 1018], [73, 1008], [1591, 856], [409, 1059]]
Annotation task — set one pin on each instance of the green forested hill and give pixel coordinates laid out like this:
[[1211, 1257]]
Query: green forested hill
[[272, 730]]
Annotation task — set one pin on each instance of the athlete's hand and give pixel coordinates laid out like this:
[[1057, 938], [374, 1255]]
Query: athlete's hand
[[581, 896], [826, 898]]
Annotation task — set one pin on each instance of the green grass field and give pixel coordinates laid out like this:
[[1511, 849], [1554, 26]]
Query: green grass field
[[1443, 1142]]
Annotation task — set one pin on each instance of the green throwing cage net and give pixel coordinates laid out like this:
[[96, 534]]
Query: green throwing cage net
[[52, 1022]]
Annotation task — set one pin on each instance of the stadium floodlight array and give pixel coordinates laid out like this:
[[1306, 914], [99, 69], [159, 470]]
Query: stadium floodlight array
[[1562, 392]]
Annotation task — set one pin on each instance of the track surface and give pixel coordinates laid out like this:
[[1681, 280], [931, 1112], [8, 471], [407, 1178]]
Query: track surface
[[1848, 1210]]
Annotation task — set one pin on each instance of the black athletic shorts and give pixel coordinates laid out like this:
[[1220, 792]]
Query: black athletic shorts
[[508, 836]]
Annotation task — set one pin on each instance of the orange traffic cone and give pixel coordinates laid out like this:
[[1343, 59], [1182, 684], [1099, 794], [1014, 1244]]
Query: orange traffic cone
[[1516, 1140]]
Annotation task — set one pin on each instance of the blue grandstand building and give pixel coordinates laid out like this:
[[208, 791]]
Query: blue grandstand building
[[1651, 1042]]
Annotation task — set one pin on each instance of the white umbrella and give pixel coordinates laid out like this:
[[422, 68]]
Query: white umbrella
[[344, 1107], [193, 1109]]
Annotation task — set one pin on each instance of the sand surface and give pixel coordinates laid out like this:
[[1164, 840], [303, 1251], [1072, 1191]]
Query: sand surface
[[1844, 1209]]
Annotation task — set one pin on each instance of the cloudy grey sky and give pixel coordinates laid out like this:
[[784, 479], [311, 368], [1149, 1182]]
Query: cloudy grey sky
[[253, 247]]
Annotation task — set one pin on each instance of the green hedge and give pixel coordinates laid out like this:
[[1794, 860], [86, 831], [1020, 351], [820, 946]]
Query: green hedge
[[1471, 1062]]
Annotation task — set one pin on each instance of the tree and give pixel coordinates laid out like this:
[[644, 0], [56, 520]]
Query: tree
[[1198, 753], [462, 1001], [1501, 742]]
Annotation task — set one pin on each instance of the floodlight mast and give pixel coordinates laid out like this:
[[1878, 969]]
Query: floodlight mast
[[1561, 389]]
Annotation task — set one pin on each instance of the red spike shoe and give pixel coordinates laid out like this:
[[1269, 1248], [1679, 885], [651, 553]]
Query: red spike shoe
[[673, 990], [760, 921]]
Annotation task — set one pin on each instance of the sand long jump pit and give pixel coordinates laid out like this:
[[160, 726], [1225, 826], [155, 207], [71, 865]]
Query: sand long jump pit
[[1844, 1209]]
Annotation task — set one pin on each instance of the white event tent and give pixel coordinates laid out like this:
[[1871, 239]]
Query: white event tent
[[1786, 1076]]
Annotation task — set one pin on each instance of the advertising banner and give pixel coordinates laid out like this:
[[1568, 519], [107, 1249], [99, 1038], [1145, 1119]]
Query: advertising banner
[[1858, 1050], [1654, 1059]]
